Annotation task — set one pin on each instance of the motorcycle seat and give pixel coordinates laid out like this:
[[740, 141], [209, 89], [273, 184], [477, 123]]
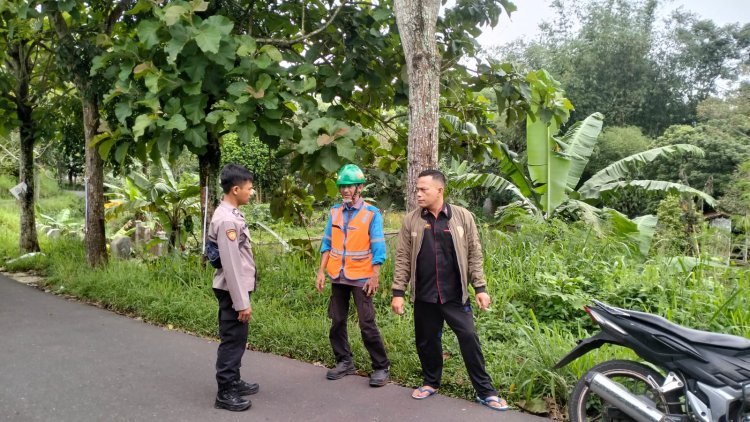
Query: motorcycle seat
[[706, 338]]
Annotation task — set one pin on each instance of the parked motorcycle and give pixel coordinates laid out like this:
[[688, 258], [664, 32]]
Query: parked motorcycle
[[697, 376]]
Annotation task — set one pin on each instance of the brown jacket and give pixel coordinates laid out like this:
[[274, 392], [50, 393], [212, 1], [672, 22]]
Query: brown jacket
[[465, 241]]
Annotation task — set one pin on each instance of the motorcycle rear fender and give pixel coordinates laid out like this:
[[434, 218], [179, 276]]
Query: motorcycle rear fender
[[584, 346]]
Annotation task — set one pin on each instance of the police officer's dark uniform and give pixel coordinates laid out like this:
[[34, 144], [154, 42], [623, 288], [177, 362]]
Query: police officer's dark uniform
[[233, 284]]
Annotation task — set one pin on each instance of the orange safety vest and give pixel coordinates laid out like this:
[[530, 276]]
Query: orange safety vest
[[350, 248]]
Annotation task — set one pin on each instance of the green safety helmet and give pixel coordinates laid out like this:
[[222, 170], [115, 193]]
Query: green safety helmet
[[350, 175]]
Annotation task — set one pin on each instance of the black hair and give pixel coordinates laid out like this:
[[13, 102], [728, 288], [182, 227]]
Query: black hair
[[234, 175], [436, 175]]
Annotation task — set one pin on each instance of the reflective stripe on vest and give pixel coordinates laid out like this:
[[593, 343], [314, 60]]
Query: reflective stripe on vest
[[350, 246]]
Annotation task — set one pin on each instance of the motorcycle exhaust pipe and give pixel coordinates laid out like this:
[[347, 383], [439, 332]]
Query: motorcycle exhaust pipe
[[614, 394]]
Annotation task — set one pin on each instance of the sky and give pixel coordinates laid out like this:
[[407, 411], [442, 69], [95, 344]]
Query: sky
[[530, 13]]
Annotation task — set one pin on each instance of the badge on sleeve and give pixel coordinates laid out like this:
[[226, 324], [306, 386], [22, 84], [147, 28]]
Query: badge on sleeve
[[232, 234]]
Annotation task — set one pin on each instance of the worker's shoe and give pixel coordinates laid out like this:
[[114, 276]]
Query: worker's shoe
[[342, 369], [379, 377]]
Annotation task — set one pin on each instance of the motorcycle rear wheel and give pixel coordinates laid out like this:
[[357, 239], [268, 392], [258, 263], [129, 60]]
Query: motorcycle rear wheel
[[642, 380]]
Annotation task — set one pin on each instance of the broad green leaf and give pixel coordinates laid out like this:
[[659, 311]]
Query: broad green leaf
[[309, 84], [307, 146], [230, 117], [176, 122], [329, 160], [152, 81], [172, 106], [649, 185], [122, 112], [142, 68], [199, 5], [148, 33], [193, 88], [237, 88], [142, 122], [211, 31], [629, 166], [646, 229], [262, 61], [263, 82], [225, 57], [246, 45], [346, 149], [173, 13], [494, 182], [582, 138], [381, 13], [179, 37], [140, 7], [291, 106], [272, 52], [548, 167], [162, 143], [245, 131], [305, 69], [195, 67], [121, 151], [104, 147], [214, 116], [152, 103], [510, 168], [196, 135], [194, 107]]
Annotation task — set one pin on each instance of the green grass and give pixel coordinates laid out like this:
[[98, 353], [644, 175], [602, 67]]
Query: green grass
[[539, 278]]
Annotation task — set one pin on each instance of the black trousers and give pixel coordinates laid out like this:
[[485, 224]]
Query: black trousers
[[338, 311], [428, 330], [233, 334]]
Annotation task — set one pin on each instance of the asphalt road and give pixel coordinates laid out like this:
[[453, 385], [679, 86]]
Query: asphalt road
[[63, 360]]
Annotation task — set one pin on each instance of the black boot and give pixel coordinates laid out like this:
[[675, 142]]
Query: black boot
[[342, 369], [244, 388], [228, 399]]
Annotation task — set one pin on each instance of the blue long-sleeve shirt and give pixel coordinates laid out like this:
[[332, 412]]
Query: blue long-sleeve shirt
[[377, 239]]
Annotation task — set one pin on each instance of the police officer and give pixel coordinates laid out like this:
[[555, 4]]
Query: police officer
[[352, 251], [233, 284]]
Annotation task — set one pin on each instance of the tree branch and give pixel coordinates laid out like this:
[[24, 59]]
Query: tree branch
[[115, 15], [287, 43]]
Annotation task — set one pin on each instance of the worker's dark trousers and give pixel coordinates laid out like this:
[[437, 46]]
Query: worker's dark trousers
[[338, 311]]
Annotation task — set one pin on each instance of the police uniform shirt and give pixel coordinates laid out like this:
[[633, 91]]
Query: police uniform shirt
[[237, 275]]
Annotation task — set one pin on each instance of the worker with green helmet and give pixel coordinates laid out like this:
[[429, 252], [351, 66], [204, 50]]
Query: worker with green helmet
[[352, 251]]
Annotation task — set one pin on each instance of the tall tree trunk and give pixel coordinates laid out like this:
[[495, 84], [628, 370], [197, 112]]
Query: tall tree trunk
[[95, 240], [77, 54], [208, 164], [28, 241], [417, 21], [19, 62]]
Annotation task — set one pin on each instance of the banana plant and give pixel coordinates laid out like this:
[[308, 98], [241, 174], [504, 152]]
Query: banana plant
[[163, 198], [619, 174], [555, 164]]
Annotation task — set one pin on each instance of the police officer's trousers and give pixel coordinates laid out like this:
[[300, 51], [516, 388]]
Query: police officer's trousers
[[233, 334]]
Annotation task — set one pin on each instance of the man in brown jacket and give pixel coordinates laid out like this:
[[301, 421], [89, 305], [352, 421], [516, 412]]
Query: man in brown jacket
[[437, 255]]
